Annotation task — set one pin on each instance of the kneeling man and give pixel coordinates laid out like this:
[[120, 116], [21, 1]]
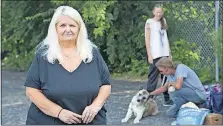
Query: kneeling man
[[185, 85]]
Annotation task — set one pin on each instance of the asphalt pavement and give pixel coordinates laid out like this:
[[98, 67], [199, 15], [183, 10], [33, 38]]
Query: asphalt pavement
[[15, 104]]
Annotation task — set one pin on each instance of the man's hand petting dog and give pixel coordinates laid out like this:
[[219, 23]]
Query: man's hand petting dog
[[141, 105]]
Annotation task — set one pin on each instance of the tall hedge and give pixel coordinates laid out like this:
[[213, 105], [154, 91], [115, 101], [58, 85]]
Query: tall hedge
[[116, 27]]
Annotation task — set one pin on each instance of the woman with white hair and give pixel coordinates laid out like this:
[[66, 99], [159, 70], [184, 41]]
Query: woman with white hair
[[68, 81]]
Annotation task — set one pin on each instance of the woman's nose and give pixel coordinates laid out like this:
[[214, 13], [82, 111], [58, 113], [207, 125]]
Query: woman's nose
[[68, 29]]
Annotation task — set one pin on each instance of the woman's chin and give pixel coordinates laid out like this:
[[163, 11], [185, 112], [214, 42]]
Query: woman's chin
[[68, 39]]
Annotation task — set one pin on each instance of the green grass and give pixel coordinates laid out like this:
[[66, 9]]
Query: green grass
[[128, 77]]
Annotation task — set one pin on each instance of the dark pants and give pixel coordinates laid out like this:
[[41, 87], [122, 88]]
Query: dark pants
[[153, 79]]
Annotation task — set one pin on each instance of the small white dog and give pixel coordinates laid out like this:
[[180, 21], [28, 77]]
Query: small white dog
[[141, 106]]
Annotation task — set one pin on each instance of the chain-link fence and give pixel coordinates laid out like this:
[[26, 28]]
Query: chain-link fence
[[195, 21], [220, 11]]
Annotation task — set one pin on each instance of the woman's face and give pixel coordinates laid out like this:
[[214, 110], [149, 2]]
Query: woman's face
[[67, 28], [158, 12]]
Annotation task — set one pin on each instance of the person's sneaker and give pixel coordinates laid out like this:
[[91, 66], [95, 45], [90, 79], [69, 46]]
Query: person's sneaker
[[168, 103]]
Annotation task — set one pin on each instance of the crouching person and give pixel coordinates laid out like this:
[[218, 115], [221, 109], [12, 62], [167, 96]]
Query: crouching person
[[183, 84]]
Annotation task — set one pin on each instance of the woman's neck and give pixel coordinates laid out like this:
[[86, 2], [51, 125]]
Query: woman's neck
[[156, 19], [68, 44], [69, 50]]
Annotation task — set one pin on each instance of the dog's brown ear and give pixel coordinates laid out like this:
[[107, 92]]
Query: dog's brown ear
[[141, 87]]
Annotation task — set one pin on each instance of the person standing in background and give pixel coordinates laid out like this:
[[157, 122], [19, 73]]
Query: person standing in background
[[157, 46]]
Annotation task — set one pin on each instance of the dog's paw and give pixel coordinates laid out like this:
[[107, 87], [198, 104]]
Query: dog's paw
[[136, 121], [124, 120]]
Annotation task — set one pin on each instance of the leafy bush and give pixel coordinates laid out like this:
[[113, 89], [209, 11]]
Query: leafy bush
[[18, 62], [189, 54], [205, 74], [116, 27], [186, 53], [217, 42], [139, 68]]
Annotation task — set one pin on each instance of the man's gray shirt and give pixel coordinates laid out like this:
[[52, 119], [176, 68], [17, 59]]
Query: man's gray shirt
[[190, 80]]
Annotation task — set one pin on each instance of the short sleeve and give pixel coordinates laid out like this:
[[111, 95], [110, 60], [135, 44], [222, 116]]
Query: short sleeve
[[181, 71], [33, 77], [103, 69], [148, 22]]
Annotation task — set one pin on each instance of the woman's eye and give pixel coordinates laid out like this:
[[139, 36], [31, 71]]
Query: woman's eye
[[62, 25], [72, 26]]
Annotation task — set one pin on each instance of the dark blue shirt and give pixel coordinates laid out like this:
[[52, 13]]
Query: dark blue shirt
[[71, 90]]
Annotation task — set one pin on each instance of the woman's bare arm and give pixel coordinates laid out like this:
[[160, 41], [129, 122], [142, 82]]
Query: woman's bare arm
[[45, 105], [103, 95], [147, 39]]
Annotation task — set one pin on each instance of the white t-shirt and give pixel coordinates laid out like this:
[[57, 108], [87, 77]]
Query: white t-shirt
[[159, 44]]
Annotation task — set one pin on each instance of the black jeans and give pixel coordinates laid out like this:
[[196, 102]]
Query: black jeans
[[153, 79]]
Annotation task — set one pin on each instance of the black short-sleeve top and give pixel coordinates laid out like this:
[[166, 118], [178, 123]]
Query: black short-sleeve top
[[71, 90]]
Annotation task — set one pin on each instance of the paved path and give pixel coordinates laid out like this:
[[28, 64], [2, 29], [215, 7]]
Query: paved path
[[15, 104]]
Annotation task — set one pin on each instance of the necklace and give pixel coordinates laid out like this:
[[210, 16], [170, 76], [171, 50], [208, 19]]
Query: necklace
[[69, 56], [66, 57]]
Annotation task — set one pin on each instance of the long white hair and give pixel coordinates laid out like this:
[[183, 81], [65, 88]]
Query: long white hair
[[51, 43]]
